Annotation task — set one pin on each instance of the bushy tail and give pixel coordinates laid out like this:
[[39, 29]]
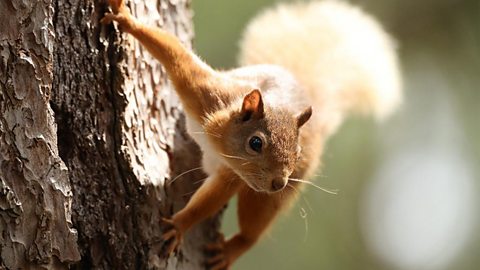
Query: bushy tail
[[339, 53]]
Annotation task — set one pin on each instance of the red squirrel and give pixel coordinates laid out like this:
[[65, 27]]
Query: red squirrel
[[262, 127]]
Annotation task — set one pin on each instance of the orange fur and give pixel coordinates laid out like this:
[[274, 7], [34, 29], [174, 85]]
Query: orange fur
[[255, 124]]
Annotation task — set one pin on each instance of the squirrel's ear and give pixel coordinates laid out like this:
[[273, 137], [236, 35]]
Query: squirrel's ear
[[252, 106], [303, 117]]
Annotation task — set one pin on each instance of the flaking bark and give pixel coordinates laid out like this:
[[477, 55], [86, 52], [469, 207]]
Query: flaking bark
[[90, 133]]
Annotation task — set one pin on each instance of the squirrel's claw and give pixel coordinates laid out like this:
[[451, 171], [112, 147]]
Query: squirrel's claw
[[172, 237], [218, 259], [217, 246], [217, 262], [171, 246], [107, 18], [169, 234], [213, 247]]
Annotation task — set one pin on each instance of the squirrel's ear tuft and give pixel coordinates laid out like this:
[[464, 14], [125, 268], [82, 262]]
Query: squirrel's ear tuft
[[303, 117], [252, 106]]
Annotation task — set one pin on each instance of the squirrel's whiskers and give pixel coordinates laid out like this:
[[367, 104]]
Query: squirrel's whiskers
[[233, 157], [182, 174], [329, 191], [208, 133]]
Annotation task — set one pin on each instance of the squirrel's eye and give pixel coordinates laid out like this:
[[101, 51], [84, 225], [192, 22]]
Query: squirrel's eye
[[255, 144]]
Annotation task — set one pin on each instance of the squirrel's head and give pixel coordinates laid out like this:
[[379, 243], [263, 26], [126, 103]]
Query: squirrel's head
[[259, 143]]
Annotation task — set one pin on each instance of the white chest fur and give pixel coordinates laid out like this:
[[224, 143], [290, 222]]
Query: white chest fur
[[211, 161]]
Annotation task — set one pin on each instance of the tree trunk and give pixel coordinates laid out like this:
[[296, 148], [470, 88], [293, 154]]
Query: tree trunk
[[91, 133]]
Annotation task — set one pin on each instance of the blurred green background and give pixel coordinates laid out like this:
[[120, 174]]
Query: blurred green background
[[408, 186]]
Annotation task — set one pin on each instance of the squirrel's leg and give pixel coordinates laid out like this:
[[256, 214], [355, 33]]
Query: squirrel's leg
[[190, 76], [256, 212], [205, 202]]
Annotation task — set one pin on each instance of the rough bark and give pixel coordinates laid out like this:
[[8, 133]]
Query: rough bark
[[90, 134]]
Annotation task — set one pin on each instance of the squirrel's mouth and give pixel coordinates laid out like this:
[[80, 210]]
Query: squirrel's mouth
[[254, 186], [259, 189], [253, 183]]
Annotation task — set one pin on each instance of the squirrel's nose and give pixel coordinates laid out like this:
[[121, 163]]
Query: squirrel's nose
[[278, 184]]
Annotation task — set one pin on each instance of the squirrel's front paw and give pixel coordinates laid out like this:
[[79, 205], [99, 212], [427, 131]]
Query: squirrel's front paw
[[219, 258], [121, 15], [125, 21], [172, 236]]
